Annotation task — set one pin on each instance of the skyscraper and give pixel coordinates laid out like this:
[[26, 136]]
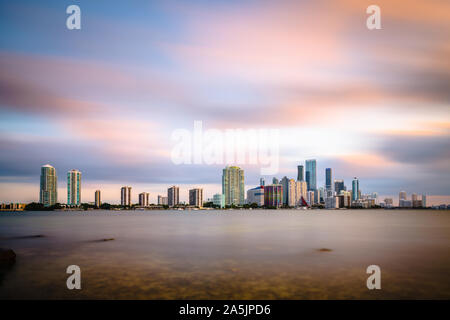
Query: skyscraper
[[262, 182], [48, 189], [300, 173], [301, 193], [162, 200], [173, 196], [98, 201], [285, 183], [143, 199], [196, 197], [424, 201], [274, 180], [355, 189], [125, 196], [291, 194], [311, 175], [73, 187], [328, 179], [233, 186], [339, 186]]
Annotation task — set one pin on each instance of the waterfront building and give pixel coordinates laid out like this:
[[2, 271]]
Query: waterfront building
[[173, 196], [233, 185], [388, 201], [219, 200], [125, 196], [405, 203], [48, 195], [143, 199], [401, 196], [355, 189], [328, 179], [256, 195], [339, 186], [162, 201], [73, 187], [98, 201], [291, 195], [262, 182], [275, 180], [273, 195], [320, 195], [300, 173], [311, 198], [424, 201], [301, 190], [285, 183], [332, 203], [196, 197], [311, 176]]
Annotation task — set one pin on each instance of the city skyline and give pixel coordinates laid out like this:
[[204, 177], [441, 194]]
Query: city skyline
[[344, 95]]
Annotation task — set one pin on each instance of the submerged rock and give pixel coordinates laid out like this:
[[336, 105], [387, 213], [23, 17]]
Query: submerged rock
[[103, 240], [324, 250], [7, 256]]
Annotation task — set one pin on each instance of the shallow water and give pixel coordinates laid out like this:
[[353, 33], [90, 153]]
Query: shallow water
[[258, 254]]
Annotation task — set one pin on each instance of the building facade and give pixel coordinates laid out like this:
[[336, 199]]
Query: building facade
[[173, 196], [273, 195], [143, 199], [162, 201], [301, 193], [311, 174], [233, 187], [196, 197], [98, 200], [73, 188], [339, 186], [355, 189], [328, 179], [125, 196], [300, 173], [256, 195], [219, 200], [48, 195]]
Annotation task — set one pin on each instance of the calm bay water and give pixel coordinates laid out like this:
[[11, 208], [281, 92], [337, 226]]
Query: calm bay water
[[258, 254]]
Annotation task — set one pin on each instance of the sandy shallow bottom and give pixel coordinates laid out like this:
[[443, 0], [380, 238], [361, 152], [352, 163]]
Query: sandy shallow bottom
[[228, 255]]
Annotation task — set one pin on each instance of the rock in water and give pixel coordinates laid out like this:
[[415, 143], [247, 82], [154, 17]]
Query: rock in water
[[7, 256]]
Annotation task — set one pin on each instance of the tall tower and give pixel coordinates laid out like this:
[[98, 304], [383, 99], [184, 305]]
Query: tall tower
[[74, 187], [311, 174], [300, 173], [98, 200], [125, 196], [233, 185], [196, 197], [173, 196], [48, 190], [328, 179], [355, 189], [143, 199]]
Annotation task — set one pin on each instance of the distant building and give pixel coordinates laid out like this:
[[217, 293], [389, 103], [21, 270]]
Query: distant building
[[301, 192], [98, 201], [291, 194], [273, 195], [143, 199], [285, 183], [424, 201], [300, 173], [405, 203], [219, 200], [162, 201], [125, 196], [196, 197], [48, 195], [275, 180], [328, 179], [339, 186], [311, 174], [355, 189], [262, 182], [233, 185], [173, 196], [256, 195], [389, 201], [332, 203], [73, 188], [311, 198], [401, 196]]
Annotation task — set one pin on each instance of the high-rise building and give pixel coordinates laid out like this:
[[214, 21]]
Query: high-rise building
[[291, 194], [125, 196], [401, 197], [262, 182], [328, 179], [219, 200], [162, 201], [73, 188], [256, 195], [285, 183], [274, 180], [301, 192], [355, 189], [173, 196], [424, 201], [273, 195], [339, 186], [233, 186], [196, 197], [311, 174], [98, 200], [143, 199], [300, 173], [48, 195], [311, 198]]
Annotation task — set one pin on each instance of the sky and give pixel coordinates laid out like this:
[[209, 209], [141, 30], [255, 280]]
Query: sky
[[107, 98]]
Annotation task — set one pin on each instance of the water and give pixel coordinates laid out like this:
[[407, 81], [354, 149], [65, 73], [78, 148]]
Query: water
[[258, 254]]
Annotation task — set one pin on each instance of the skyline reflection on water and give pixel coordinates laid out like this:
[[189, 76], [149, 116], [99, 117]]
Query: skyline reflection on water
[[258, 254]]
